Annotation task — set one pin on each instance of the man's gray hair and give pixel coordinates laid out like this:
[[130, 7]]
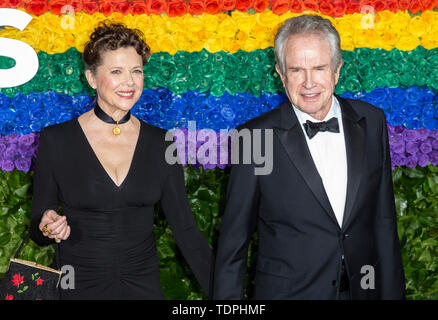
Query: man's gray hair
[[307, 24]]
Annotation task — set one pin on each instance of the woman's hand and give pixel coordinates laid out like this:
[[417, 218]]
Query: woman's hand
[[54, 226]]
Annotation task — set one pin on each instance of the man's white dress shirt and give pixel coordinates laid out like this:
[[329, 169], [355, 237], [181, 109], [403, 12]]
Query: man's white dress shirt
[[330, 157]]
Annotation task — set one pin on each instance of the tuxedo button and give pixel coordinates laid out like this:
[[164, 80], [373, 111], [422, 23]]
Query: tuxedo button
[[345, 236]]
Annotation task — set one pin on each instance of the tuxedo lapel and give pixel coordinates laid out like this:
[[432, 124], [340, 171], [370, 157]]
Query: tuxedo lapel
[[354, 134], [292, 138]]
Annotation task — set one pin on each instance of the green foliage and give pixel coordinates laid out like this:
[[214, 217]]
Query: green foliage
[[416, 194], [15, 211], [206, 194]]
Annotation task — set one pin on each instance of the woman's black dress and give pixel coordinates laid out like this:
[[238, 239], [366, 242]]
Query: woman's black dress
[[112, 246]]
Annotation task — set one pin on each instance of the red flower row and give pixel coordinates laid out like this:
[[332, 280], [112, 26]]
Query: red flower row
[[174, 8]]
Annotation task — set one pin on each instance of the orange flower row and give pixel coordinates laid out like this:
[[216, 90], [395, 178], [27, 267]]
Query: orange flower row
[[175, 8]]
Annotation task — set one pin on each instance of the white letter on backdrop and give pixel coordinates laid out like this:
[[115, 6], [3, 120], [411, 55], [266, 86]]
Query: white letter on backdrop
[[26, 59]]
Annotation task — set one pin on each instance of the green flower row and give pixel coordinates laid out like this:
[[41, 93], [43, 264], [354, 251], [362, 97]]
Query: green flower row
[[251, 72]]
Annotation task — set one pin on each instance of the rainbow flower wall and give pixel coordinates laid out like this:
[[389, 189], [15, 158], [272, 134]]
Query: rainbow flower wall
[[213, 63]]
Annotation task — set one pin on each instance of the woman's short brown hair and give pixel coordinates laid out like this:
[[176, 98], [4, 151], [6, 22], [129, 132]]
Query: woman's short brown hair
[[112, 36]]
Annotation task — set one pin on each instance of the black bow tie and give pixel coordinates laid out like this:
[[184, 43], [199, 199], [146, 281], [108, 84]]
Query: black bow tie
[[312, 128]]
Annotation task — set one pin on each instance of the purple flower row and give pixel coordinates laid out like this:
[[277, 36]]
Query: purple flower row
[[211, 149], [18, 151], [413, 147]]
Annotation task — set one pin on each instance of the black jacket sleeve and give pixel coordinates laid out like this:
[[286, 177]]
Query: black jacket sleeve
[[238, 225], [392, 275], [45, 190]]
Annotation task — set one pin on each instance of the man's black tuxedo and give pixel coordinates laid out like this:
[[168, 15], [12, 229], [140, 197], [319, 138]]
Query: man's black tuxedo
[[301, 244]]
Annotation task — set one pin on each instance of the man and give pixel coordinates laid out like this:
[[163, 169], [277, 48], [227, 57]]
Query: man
[[325, 216]]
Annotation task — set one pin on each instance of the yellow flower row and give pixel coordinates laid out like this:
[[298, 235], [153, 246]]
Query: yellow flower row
[[387, 30]]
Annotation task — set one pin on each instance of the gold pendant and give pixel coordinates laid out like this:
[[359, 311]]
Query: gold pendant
[[117, 130]]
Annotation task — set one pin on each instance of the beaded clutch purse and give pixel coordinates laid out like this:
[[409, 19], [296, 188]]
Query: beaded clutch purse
[[27, 280]]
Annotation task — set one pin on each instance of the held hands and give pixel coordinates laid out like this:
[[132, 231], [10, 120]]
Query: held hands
[[54, 226]]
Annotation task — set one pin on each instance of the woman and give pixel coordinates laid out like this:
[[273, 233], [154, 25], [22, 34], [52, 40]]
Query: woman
[[107, 170]]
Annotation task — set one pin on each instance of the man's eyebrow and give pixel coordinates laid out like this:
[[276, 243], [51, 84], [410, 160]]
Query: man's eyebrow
[[315, 67]]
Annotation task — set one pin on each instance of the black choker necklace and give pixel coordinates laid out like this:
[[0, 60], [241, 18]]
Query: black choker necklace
[[106, 118]]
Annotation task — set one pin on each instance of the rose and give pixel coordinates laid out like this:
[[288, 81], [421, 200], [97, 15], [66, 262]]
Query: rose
[[26, 140], [352, 84], [363, 55], [55, 6], [404, 4], [425, 147], [414, 6], [311, 5], [243, 5], [398, 159], [106, 7], [296, 6], [433, 158], [25, 151], [428, 113], [422, 134], [157, 6], [352, 6], [90, 6], [13, 138], [396, 95], [379, 5], [392, 5], [339, 7], [196, 7], [121, 6], [411, 147], [36, 7], [398, 146], [138, 7], [423, 159], [411, 161], [280, 6], [169, 71], [22, 164], [7, 165], [14, 4], [434, 143], [410, 135], [411, 111], [261, 5], [2, 148], [214, 7], [394, 136], [378, 95], [176, 8], [428, 4], [77, 5], [228, 5], [413, 94], [426, 97], [326, 8]]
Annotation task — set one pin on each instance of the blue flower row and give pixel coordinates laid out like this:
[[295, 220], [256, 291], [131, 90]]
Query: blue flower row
[[412, 108]]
